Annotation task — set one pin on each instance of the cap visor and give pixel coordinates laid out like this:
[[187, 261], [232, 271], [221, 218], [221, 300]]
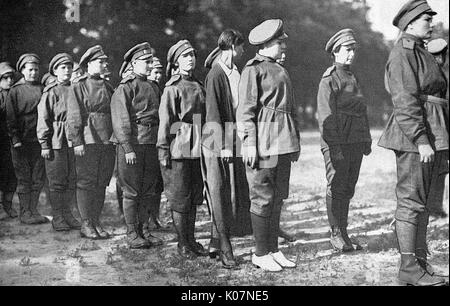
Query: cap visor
[[350, 42], [283, 36], [187, 51], [145, 56], [7, 71]]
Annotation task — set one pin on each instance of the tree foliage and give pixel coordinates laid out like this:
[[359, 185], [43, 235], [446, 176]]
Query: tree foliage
[[41, 27]]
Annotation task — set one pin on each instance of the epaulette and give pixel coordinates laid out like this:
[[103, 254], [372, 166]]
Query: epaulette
[[408, 43], [80, 78], [197, 80], [253, 61], [175, 78], [19, 82], [329, 71], [128, 78], [50, 86]]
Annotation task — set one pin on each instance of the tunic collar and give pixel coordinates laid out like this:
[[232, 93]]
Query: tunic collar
[[263, 58], [416, 39]]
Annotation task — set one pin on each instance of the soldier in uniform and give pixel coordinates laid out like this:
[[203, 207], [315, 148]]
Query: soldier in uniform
[[282, 233], [8, 180], [268, 126], [182, 112], [438, 47], [223, 174], [21, 112], [125, 70], [157, 71], [155, 76], [76, 72], [47, 79], [345, 135], [417, 133], [90, 128], [56, 149], [134, 109]]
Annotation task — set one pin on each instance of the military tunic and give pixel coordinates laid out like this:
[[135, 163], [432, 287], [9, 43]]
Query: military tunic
[[267, 118], [134, 109], [52, 134], [345, 136], [21, 112], [417, 86], [89, 124], [181, 112], [8, 180]]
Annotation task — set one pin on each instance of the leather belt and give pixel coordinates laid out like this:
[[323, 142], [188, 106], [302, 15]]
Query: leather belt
[[435, 100]]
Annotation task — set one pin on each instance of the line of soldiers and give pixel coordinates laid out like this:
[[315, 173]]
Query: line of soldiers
[[232, 140]]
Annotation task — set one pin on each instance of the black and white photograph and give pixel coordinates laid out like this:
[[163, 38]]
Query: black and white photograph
[[224, 147]]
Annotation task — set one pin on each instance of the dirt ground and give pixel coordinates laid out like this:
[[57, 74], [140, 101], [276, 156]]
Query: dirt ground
[[36, 255]]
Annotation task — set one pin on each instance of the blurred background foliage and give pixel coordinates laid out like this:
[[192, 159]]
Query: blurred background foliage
[[43, 27]]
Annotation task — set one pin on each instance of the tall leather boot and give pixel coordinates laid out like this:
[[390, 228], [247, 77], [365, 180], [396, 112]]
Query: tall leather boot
[[7, 204], [144, 225], [99, 202], [195, 246], [274, 228], [26, 216], [69, 195], [134, 237], [57, 201], [421, 245], [332, 211], [411, 273], [119, 196], [180, 223], [351, 243], [262, 257], [261, 232], [39, 219], [154, 207], [84, 202], [3, 213]]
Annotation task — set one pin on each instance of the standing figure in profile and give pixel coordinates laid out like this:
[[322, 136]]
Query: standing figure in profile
[[268, 125], [182, 112], [417, 134], [8, 180], [224, 173], [345, 135]]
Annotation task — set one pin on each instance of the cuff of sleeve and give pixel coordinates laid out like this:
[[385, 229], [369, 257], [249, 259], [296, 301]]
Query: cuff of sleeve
[[163, 154], [46, 146], [127, 147], [15, 140], [249, 141], [77, 142], [422, 140]]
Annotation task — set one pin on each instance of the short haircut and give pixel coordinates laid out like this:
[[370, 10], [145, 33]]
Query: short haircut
[[228, 38]]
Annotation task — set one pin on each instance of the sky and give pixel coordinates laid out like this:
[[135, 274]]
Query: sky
[[383, 11]]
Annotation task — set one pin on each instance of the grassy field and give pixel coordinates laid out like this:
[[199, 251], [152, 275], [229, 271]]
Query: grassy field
[[36, 255]]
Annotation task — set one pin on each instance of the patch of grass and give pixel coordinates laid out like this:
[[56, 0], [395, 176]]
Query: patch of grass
[[89, 245], [384, 242], [75, 253], [26, 262], [61, 238], [438, 232], [134, 256]]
